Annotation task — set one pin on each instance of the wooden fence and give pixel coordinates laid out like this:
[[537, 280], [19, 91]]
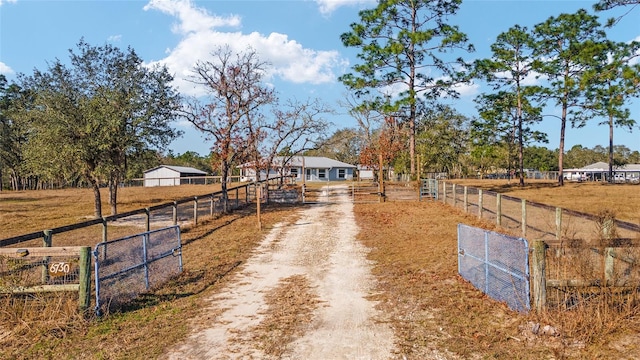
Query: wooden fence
[[195, 206], [55, 264]]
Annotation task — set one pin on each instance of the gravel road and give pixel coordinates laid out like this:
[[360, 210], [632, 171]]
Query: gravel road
[[320, 246]]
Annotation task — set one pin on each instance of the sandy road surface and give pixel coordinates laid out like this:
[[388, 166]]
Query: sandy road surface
[[320, 246]]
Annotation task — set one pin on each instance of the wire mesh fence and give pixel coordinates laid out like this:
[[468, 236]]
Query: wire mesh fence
[[496, 264], [127, 267], [46, 271], [586, 257]]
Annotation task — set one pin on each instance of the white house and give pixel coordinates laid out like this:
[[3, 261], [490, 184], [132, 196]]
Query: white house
[[315, 168], [168, 175]]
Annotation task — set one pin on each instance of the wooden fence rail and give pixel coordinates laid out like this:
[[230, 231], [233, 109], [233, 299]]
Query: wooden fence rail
[[47, 234], [83, 286]]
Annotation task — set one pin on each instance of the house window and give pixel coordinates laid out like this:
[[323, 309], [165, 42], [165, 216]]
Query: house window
[[322, 173], [341, 173], [294, 172]]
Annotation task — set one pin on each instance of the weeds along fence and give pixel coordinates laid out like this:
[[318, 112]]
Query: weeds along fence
[[576, 257]]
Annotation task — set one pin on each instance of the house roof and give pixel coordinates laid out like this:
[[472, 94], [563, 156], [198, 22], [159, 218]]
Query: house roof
[[180, 169], [319, 162], [603, 166]]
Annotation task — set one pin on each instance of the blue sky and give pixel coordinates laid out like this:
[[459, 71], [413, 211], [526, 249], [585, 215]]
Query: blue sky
[[301, 39]]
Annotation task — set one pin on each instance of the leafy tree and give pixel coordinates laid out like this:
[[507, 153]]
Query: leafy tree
[[343, 145], [385, 146], [540, 158], [579, 156], [505, 122], [507, 70], [235, 96], [567, 47], [401, 44], [12, 135], [190, 159], [443, 140], [610, 87], [610, 4], [94, 116]]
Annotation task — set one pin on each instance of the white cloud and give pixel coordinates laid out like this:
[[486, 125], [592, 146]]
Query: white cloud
[[114, 38], [7, 1], [328, 6], [532, 78], [191, 19], [467, 90], [5, 69], [289, 60]]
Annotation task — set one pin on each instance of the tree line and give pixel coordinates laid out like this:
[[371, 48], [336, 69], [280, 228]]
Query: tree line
[[104, 116], [410, 60]]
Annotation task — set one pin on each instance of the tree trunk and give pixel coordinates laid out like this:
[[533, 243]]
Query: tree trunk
[[563, 125], [113, 196], [611, 148], [223, 181], [96, 197]]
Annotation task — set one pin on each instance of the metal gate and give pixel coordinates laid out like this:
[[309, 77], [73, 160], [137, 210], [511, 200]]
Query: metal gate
[[429, 189], [131, 265], [496, 264]]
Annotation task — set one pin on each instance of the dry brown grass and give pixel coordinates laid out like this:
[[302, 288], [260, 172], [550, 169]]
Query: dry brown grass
[[155, 321], [434, 310], [22, 212], [588, 197], [413, 246], [290, 310]]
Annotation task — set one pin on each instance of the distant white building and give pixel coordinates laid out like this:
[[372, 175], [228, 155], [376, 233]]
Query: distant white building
[[600, 172], [168, 175]]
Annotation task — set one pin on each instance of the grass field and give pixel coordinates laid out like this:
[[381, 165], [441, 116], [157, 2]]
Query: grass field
[[412, 244]]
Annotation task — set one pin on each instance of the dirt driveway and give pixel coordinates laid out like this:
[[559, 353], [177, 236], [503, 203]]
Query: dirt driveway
[[319, 254]]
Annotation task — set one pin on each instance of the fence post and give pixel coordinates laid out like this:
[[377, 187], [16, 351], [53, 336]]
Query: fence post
[[539, 275], [195, 211], [258, 202], [480, 203], [444, 192], [608, 266], [558, 223], [84, 264], [237, 198], [175, 213], [455, 194], [466, 200], [148, 212], [524, 218], [47, 240], [104, 229], [211, 203], [499, 209]]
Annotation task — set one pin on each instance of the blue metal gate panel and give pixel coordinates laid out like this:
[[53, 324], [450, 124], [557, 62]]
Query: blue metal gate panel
[[496, 264]]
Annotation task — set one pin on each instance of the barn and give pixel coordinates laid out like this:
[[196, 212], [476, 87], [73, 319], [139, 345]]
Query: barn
[[168, 175]]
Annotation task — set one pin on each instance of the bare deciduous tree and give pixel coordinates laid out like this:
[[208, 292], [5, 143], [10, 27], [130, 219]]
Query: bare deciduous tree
[[235, 96]]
